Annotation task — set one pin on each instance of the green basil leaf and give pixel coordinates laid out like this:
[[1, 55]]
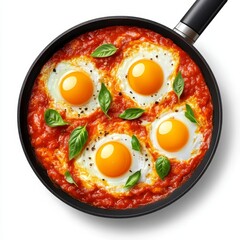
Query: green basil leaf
[[53, 118], [190, 114], [104, 50], [178, 85], [77, 140], [69, 178], [104, 99], [133, 179], [135, 143], [162, 166], [131, 113]]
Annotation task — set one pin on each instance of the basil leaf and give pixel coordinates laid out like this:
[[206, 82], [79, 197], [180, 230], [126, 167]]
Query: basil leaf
[[135, 143], [69, 178], [162, 166], [77, 140], [53, 118], [190, 114], [178, 85], [133, 179], [104, 50], [131, 113], [104, 99]]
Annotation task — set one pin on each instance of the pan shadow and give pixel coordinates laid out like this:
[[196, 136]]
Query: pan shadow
[[186, 204]]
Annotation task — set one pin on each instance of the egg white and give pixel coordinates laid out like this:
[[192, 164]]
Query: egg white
[[191, 148], [90, 174], [62, 69], [167, 59]]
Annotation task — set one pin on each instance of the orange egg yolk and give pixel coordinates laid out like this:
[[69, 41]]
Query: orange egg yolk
[[145, 77], [172, 135], [76, 88], [113, 159]]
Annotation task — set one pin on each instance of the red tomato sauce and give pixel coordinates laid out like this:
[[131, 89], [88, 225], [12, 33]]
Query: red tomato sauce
[[47, 140]]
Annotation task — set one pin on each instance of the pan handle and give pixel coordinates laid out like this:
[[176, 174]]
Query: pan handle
[[197, 18]]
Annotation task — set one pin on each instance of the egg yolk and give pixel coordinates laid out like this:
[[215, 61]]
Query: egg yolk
[[113, 159], [172, 135], [145, 77], [76, 88]]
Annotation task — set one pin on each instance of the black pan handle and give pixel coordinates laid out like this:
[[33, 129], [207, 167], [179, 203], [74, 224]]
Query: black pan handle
[[197, 18]]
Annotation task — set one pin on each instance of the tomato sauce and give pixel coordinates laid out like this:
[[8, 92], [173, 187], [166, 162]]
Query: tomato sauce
[[47, 140]]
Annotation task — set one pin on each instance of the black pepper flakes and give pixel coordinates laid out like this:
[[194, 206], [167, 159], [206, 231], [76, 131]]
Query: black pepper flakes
[[176, 110], [85, 109], [54, 70], [87, 148], [131, 92], [130, 170], [89, 158], [156, 56], [93, 148], [156, 102], [120, 94], [82, 111], [90, 164]]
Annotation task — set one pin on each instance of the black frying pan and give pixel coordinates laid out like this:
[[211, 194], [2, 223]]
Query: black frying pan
[[184, 35]]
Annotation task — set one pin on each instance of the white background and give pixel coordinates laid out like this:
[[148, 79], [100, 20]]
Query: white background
[[29, 211]]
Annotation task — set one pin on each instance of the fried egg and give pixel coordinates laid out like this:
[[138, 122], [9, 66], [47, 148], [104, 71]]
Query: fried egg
[[175, 136], [108, 163], [146, 72], [74, 86]]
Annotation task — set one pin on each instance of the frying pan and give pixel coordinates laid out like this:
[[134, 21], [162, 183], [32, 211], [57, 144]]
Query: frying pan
[[184, 35]]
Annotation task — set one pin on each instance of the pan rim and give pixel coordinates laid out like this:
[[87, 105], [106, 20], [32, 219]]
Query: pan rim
[[61, 40]]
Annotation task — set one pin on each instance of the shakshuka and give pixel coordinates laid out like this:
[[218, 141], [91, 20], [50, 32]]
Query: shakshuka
[[120, 117]]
